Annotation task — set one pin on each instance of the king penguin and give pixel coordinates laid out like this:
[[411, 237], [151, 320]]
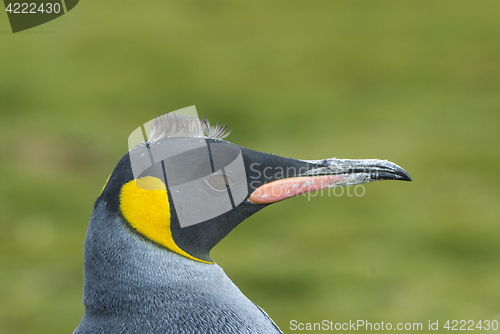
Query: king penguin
[[168, 202]]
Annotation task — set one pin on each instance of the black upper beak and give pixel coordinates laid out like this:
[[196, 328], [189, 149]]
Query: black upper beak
[[365, 170], [327, 173]]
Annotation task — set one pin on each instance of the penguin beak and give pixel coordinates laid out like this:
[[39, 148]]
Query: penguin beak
[[326, 174]]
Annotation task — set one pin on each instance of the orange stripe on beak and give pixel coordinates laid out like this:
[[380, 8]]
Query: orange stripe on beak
[[282, 189]]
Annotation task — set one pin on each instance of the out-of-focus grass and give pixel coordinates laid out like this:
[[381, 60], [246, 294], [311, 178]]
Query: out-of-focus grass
[[413, 82]]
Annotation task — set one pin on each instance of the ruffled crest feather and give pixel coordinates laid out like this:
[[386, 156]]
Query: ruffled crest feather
[[179, 125]]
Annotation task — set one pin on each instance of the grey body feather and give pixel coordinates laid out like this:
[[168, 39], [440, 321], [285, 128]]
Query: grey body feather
[[134, 286]]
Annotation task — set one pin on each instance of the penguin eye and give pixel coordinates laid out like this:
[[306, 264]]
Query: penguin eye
[[218, 182]]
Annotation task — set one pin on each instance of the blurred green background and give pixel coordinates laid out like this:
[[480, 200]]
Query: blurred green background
[[415, 82]]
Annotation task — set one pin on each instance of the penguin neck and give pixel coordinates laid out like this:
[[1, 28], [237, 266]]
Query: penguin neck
[[130, 283], [119, 264]]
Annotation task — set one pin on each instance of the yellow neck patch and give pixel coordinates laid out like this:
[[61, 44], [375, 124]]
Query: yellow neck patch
[[105, 184], [144, 203]]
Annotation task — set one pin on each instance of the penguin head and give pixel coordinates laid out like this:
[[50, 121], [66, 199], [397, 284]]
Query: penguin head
[[185, 188]]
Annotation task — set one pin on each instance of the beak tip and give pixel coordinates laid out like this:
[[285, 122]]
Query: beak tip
[[402, 174], [407, 178]]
